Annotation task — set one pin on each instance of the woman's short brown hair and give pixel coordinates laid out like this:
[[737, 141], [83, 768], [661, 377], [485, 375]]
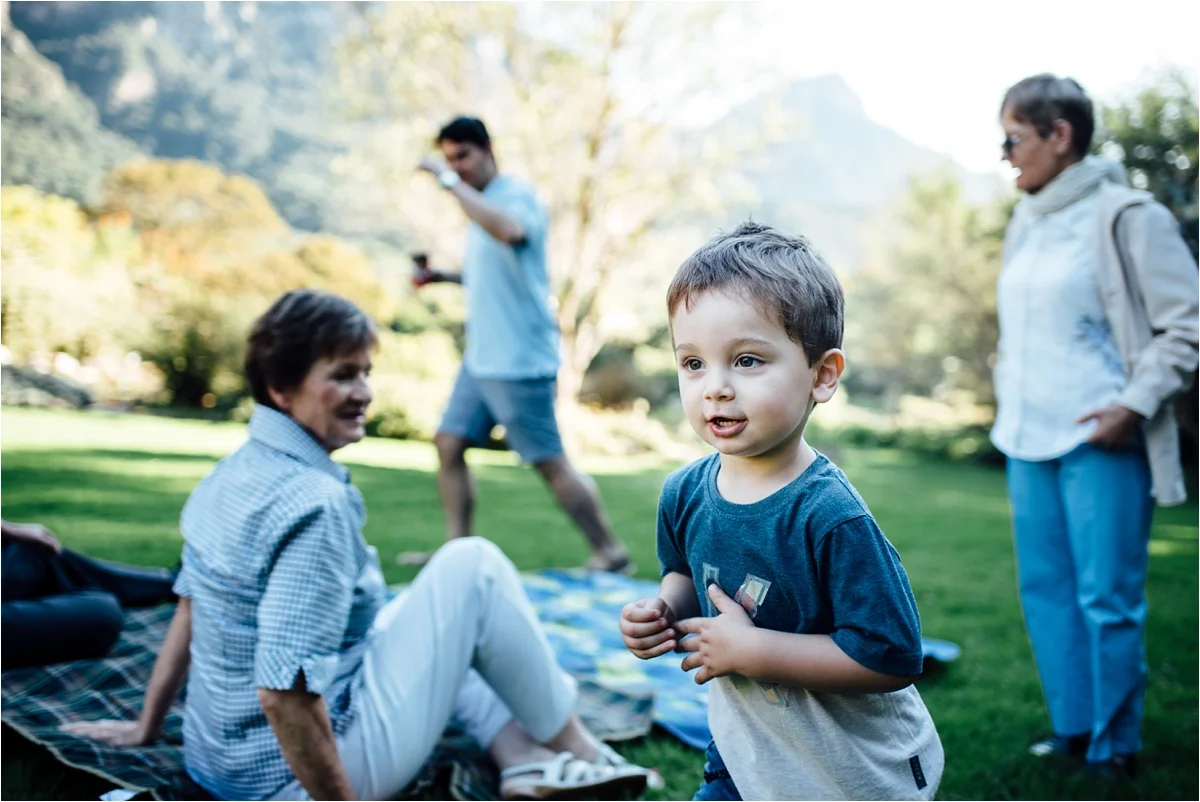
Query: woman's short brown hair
[[301, 327], [1041, 99]]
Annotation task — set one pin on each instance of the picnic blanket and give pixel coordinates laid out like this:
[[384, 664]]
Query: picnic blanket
[[36, 701], [619, 695]]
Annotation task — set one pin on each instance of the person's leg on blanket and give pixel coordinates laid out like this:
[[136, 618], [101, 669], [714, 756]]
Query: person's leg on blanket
[[466, 609], [133, 586], [53, 629]]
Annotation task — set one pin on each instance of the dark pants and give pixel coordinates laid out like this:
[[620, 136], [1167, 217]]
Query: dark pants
[[59, 607]]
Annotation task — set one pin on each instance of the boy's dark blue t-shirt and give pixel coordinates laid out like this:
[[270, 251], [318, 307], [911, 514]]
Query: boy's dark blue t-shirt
[[807, 559]]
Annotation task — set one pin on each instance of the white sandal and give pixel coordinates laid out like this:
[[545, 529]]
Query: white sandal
[[609, 757], [565, 776]]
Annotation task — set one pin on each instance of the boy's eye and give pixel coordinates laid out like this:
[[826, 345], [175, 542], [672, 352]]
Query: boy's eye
[[691, 363], [747, 361]]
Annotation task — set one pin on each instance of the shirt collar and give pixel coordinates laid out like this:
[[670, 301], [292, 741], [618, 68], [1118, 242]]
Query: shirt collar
[[281, 432]]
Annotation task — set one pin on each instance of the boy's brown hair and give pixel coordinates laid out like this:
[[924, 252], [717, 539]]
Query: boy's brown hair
[[784, 274]]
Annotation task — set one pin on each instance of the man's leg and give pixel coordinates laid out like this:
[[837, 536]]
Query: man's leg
[[525, 407], [456, 484], [579, 497], [466, 422]]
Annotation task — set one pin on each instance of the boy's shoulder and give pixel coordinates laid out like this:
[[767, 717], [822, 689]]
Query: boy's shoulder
[[827, 498]]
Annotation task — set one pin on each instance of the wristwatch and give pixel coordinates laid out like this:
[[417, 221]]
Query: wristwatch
[[448, 179]]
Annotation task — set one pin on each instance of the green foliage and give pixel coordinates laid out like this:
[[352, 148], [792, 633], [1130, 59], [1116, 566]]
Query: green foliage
[[177, 265], [50, 133], [412, 378], [925, 322], [64, 284], [1155, 134]]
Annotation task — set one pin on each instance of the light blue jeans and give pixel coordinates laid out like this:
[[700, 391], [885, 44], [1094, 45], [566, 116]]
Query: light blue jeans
[[1082, 528]]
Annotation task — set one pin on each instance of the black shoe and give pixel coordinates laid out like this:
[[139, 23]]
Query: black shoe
[[1118, 767], [1074, 746]]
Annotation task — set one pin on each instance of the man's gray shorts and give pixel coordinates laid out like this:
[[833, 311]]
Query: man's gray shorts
[[524, 407]]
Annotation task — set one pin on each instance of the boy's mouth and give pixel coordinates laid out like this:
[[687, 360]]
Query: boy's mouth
[[722, 426]]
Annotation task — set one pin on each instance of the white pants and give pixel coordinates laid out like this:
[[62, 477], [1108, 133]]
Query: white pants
[[463, 640]]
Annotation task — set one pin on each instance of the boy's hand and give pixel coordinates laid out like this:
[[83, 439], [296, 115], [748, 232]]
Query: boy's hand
[[648, 628], [719, 640]]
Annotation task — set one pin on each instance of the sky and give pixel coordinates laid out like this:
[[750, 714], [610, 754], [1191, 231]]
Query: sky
[[936, 71]]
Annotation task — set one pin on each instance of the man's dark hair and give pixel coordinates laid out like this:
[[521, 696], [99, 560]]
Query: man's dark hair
[[781, 273], [465, 130], [301, 327], [1041, 99]]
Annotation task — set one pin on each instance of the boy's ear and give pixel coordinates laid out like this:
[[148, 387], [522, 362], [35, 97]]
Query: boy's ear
[[828, 375]]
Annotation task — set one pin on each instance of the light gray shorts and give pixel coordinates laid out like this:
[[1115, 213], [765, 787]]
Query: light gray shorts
[[524, 407]]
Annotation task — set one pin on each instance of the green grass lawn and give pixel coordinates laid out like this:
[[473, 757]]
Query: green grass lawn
[[112, 487]]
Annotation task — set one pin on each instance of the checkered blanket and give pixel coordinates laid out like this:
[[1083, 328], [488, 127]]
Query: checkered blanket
[[36, 701]]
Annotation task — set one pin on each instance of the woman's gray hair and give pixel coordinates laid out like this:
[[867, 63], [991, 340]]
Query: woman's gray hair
[[784, 274], [1041, 99]]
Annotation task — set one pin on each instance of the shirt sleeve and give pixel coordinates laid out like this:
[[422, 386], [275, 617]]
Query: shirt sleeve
[[672, 551], [303, 612], [183, 580], [875, 618], [522, 205]]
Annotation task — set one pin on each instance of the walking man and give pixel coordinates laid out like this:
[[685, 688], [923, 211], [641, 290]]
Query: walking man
[[511, 359]]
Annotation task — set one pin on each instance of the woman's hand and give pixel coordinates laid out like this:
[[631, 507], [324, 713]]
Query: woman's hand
[[113, 733], [1115, 426], [33, 533]]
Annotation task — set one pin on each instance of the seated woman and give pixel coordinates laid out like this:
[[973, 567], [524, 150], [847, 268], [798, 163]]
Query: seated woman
[[59, 605], [302, 682]]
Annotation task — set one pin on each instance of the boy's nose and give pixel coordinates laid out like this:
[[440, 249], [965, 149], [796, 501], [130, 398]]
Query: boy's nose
[[718, 390]]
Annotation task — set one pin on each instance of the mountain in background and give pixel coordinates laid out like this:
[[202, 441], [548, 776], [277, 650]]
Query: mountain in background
[[836, 173], [247, 85], [52, 135]]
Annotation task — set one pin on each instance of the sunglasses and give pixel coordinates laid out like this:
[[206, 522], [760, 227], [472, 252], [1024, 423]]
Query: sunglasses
[[1010, 142]]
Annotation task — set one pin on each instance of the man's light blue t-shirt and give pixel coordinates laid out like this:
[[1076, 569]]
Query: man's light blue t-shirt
[[511, 332]]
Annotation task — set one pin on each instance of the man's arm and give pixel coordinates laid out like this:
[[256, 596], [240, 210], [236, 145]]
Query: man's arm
[[489, 217], [305, 736], [170, 669]]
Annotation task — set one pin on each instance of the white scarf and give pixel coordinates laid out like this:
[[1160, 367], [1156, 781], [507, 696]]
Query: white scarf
[[1074, 183]]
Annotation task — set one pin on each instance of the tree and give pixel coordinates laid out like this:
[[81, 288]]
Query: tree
[[65, 282], [217, 254], [924, 322], [570, 95], [1154, 133]]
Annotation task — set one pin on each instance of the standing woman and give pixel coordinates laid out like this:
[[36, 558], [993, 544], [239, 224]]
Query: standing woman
[[1098, 331]]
